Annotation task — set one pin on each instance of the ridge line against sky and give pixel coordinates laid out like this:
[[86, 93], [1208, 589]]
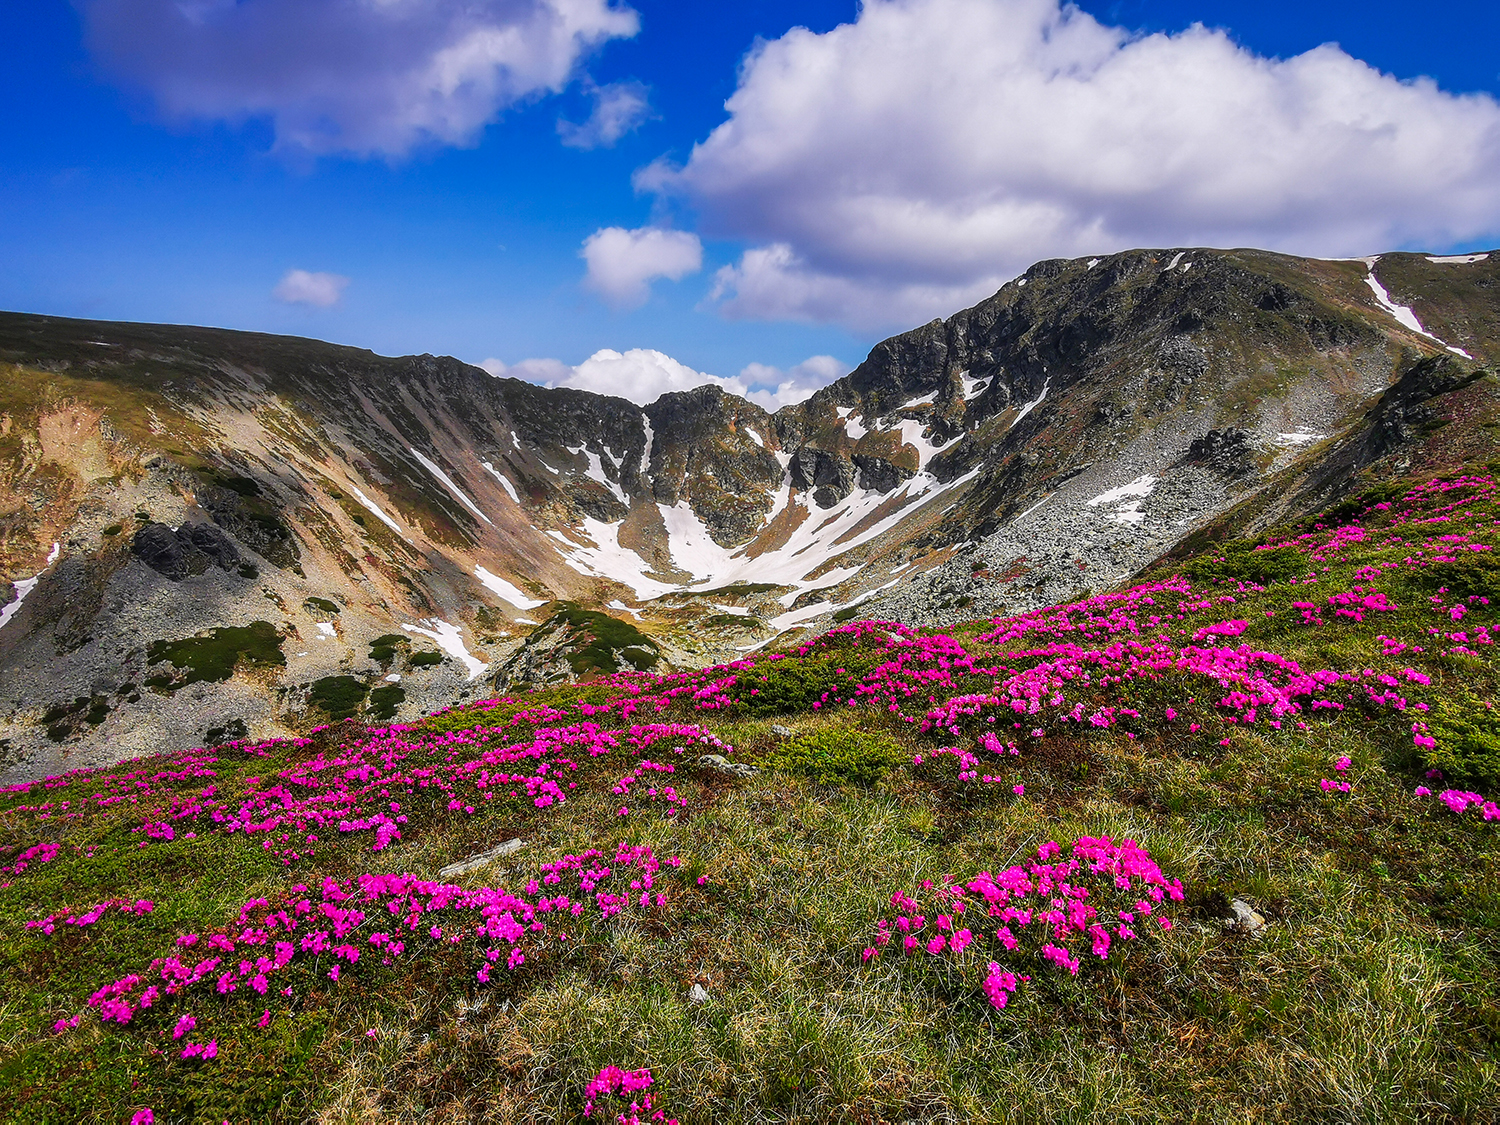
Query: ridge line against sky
[[755, 189]]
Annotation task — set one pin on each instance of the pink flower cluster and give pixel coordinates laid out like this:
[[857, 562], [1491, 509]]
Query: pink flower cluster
[[342, 923], [92, 915], [611, 1081], [1097, 895], [1459, 800]]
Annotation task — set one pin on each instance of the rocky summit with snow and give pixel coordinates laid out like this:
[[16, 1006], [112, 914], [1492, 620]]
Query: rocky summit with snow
[[209, 534]]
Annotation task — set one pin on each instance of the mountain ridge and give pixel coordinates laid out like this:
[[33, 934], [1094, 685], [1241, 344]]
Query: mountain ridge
[[423, 496]]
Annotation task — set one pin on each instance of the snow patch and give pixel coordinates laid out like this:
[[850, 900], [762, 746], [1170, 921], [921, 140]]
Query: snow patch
[[325, 628], [755, 437], [1141, 486], [1172, 265], [448, 638], [506, 590], [24, 586], [623, 608], [787, 620], [504, 480], [650, 440], [607, 559], [432, 468], [735, 610], [911, 434], [972, 387], [375, 508], [852, 426], [1094, 262], [1402, 313], [1457, 259], [1301, 437], [595, 472], [1025, 410], [1133, 495], [393, 678]]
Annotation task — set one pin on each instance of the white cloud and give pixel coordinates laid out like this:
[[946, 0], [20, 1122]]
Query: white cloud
[[548, 372], [623, 263], [359, 76], [776, 388], [618, 108], [903, 164], [321, 290], [643, 375]]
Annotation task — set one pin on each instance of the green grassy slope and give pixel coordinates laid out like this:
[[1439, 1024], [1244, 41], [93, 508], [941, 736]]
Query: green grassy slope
[[1214, 715]]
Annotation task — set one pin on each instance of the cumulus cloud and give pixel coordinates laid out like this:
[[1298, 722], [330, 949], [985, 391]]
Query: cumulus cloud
[[618, 108], [623, 263], [358, 76], [548, 372], [897, 166], [321, 290], [772, 388], [643, 375]]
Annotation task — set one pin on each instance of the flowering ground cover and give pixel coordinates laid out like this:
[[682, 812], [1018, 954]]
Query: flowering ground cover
[[987, 877]]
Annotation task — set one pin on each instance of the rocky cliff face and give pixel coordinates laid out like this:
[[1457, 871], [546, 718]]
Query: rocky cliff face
[[407, 524]]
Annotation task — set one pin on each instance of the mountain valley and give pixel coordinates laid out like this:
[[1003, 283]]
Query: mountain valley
[[211, 534]]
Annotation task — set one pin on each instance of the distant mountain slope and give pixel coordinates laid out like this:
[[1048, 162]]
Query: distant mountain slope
[[1054, 438]]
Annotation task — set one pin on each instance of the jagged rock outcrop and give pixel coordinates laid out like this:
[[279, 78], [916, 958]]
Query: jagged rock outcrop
[[190, 549]]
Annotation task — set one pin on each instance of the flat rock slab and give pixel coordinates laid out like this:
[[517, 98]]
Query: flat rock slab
[[720, 764], [1246, 919], [483, 859]]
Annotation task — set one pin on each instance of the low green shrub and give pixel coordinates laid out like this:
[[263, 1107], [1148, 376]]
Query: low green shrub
[[383, 648], [323, 605], [1467, 574], [1466, 730], [385, 700], [839, 755], [425, 659], [1241, 561]]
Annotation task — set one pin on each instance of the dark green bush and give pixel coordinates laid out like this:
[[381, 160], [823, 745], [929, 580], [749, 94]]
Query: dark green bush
[[339, 697], [839, 755], [1467, 731], [1470, 573], [425, 659], [383, 648], [384, 700], [114, 529], [599, 640], [322, 605]]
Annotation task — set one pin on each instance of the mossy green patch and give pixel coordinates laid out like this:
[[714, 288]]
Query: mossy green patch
[[383, 649], [214, 657], [339, 697], [603, 640]]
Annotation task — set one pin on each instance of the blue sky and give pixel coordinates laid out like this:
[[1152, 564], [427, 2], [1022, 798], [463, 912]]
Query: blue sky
[[175, 160]]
